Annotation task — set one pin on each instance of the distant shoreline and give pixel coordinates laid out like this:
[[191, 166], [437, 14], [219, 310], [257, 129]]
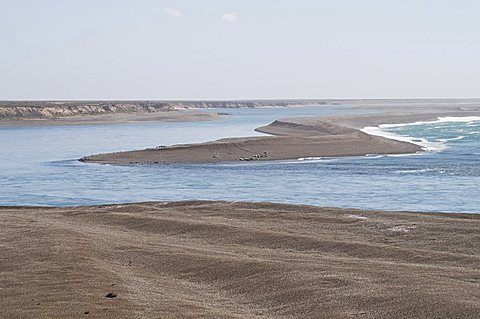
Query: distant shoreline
[[17, 113], [115, 118]]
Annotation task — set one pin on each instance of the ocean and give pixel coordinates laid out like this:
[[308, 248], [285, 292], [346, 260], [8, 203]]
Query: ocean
[[38, 166]]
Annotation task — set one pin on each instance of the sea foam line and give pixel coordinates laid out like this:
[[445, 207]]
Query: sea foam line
[[424, 143], [445, 119]]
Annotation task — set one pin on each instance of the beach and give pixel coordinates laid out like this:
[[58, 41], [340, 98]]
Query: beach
[[237, 260]]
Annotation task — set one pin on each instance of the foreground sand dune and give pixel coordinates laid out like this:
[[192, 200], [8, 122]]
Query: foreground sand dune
[[237, 260]]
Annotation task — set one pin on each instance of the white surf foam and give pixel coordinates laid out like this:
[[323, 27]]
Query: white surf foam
[[310, 158], [468, 119], [424, 143], [314, 160], [445, 119], [451, 139], [414, 171]]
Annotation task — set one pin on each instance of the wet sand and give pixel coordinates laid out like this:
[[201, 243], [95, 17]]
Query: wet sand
[[237, 260]]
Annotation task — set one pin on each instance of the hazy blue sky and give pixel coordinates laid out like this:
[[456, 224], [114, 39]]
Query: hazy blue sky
[[234, 49]]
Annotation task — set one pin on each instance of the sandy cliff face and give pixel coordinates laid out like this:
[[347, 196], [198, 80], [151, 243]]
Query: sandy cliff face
[[20, 110], [244, 104], [56, 109], [51, 110]]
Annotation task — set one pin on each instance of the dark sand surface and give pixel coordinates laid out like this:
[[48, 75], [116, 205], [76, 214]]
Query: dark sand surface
[[260, 149], [237, 260]]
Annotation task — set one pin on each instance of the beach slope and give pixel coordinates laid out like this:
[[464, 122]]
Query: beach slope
[[237, 260]]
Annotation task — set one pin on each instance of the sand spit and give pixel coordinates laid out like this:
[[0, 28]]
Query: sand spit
[[236, 260], [291, 139]]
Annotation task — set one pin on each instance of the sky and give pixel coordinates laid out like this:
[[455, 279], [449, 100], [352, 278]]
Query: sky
[[238, 49]]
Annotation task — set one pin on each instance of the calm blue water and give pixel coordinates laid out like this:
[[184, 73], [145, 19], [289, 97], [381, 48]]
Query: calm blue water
[[38, 166]]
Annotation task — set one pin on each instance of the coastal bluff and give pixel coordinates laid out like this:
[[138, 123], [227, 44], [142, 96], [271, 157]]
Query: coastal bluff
[[50, 110], [11, 110]]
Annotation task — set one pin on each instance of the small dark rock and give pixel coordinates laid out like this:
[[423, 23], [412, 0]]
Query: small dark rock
[[111, 295], [86, 312]]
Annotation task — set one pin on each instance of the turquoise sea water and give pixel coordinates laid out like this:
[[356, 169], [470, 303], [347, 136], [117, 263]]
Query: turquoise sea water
[[38, 166]]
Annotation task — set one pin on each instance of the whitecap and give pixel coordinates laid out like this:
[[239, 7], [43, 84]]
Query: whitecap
[[445, 119], [405, 155], [414, 171], [451, 139], [468, 119], [313, 159]]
